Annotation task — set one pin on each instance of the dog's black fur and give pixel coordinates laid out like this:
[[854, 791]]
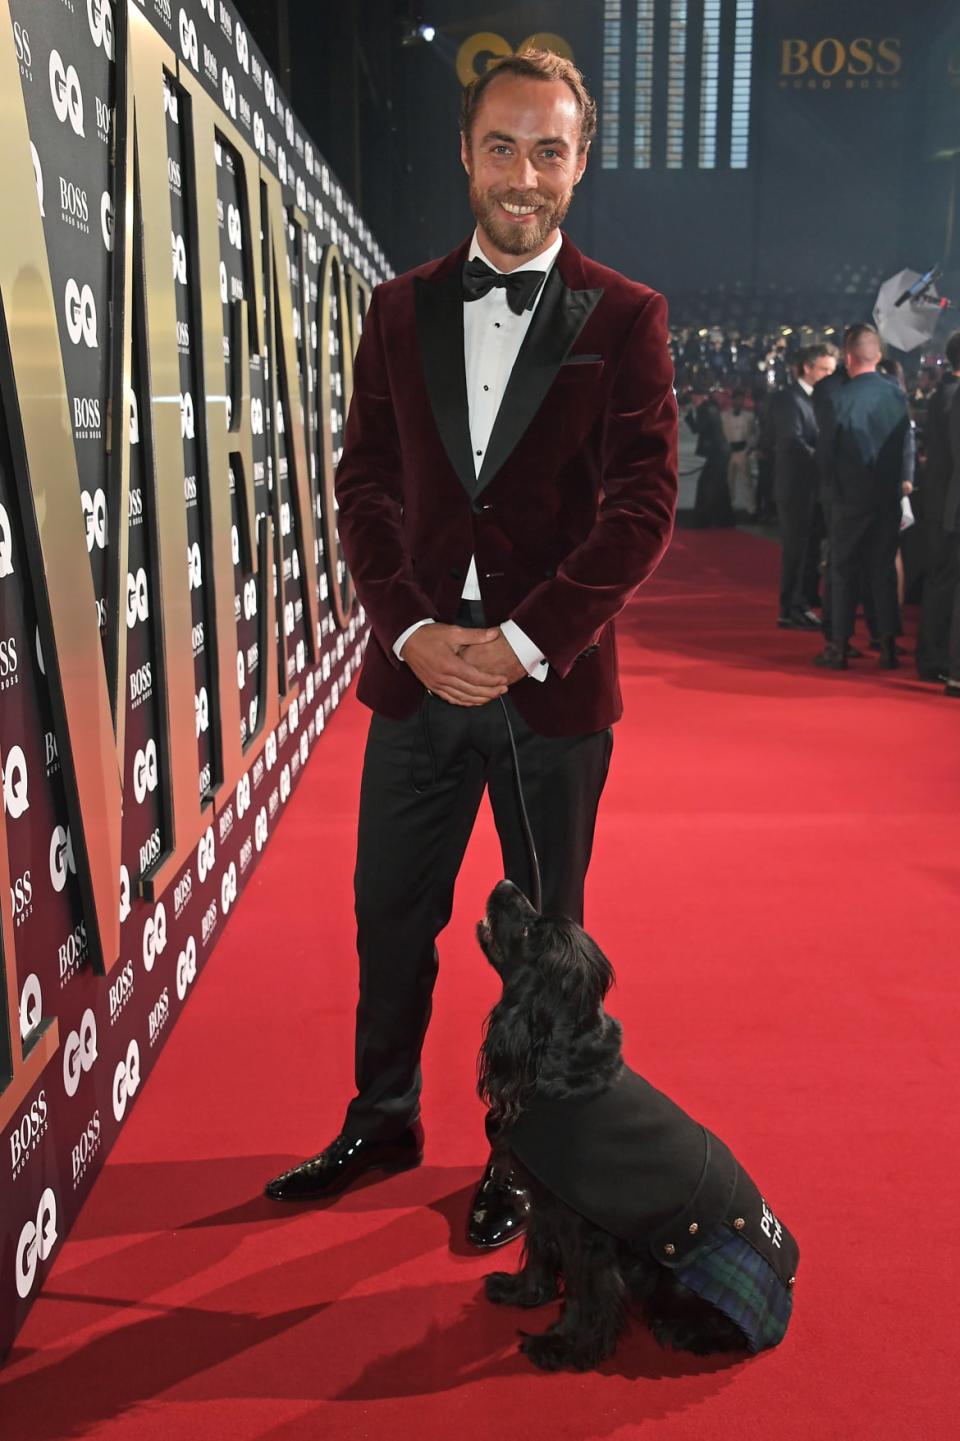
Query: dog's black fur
[[549, 1037]]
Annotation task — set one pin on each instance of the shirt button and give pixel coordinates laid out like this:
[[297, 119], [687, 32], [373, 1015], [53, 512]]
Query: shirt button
[[486, 387], [496, 325], [479, 452]]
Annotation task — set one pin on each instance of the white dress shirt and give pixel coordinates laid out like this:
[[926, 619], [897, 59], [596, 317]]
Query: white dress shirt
[[492, 337]]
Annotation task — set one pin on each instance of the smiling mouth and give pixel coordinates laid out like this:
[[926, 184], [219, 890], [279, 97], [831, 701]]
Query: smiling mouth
[[519, 212]]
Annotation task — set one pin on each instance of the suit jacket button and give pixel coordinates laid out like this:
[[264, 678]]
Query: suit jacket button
[[549, 574], [670, 1249]]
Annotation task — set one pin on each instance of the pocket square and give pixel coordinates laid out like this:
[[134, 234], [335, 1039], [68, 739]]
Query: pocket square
[[583, 359]]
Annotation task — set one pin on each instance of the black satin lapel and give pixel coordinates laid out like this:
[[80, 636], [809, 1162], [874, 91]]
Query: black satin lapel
[[557, 321], [439, 307]]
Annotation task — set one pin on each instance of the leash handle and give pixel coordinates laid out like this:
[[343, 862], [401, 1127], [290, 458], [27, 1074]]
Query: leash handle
[[525, 826]]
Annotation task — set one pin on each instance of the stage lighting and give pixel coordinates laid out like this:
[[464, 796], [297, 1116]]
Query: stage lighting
[[417, 32]]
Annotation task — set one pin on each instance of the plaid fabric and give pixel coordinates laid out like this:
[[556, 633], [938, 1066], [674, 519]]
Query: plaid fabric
[[736, 1279]]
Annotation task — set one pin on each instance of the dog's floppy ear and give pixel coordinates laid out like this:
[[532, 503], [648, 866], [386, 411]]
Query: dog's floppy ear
[[576, 964], [517, 1033]]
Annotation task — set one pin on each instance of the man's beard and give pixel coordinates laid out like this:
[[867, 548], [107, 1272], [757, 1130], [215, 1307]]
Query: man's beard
[[512, 238]]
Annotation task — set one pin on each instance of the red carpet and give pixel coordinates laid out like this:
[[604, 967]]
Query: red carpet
[[776, 880]]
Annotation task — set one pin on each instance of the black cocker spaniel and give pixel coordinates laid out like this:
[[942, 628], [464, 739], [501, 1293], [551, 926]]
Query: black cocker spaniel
[[634, 1205]]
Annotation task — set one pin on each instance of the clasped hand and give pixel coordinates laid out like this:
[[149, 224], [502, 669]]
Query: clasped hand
[[461, 665]]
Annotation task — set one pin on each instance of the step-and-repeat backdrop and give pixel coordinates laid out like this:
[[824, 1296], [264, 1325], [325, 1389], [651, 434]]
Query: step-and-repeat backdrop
[[183, 283]]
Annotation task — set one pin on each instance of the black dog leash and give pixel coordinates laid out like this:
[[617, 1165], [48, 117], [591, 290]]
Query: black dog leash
[[536, 897]]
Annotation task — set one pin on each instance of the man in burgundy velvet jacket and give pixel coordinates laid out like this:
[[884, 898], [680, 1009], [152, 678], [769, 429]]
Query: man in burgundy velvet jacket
[[508, 480]]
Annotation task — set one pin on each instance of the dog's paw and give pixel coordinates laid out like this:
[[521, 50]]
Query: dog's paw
[[548, 1351], [505, 1288]]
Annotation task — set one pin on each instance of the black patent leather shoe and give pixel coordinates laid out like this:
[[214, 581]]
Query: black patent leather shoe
[[344, 1160], [499, 1210]]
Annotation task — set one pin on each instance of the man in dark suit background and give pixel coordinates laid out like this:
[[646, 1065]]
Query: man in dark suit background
[[797, 482], [941, 571], [865, 428], [508, 479]]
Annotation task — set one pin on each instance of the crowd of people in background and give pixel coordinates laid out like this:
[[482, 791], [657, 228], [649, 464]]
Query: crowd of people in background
[[822, 435]]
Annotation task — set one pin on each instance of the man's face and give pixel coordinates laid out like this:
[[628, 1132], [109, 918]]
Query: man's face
[[522, 154], [817, 369]]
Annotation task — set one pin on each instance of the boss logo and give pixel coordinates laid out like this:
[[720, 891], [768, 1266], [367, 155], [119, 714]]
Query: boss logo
[[245, 113], [37, 1240], [183, 342], [182, 893], [100, 20], [257, 771], [226, 21], [196, 636], [103, 119], [174, 175], [86, 1148], [259, 133], [21, 898], [308, 157], [228, 887], [120, 992], [150, 850], [206, 854], [141, 684], [124, 893], [246, 854], [294, 764], [209, 923], [27, 1132], [312, 255], [62, 862], [190, 489], [73, 204], [87, 425], [126, 1080], [234, 228], [260, 829], [189, 48], [94, 518], [80, 310], [201, 708], [210, 66], [134, 420], [830, 57], [229, 90], [249, 599], [79, 1052], [282, 732], [154, 936], [225, 823], [145, 776], [171, 101], [194, 566], [236, 288], [66, 93], [15, 799], [178, 251], [159, 1016], [51, 753], [106, 220], [186, 416], [72, 951], [243, 796], [164, 9], [186, 968], [138, 606], [21, 41]]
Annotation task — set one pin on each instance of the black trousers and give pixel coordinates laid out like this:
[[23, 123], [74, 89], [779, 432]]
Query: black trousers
[[423, 781], [940, 580], [796, 512], [863, 549]]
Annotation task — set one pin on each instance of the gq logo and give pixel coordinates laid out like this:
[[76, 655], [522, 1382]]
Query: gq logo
[[6, 545], [206, 854], [478, 52], [243, 796], [126, 1080], [100, 20], [106, 219], [124, 893], [15, 800], [145, 775], [138, 607], [95, 518], [178, 251], [260, 828], [38, 176], [37, 1240], [259, 133], [228, 887], [188, 40], [81, 314], [229, 87], [154, 936], [201, 707], [194, 566], [243, 49], [186, 416], [79, 1053], [234, 230], [61, 857], [186, 968], [66, 93], [31, 1006]]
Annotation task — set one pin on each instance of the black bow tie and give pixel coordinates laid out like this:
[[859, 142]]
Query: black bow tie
[[521, 286]]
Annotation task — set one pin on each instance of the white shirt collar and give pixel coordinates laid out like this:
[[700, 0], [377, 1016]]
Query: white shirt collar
[[807, 389], [543, 261]]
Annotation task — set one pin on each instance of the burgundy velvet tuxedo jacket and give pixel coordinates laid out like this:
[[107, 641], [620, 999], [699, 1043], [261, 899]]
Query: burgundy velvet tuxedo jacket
[[572, 509]]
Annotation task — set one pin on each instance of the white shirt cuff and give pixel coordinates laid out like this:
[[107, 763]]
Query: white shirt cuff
[[401, 640], [530, 657]]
